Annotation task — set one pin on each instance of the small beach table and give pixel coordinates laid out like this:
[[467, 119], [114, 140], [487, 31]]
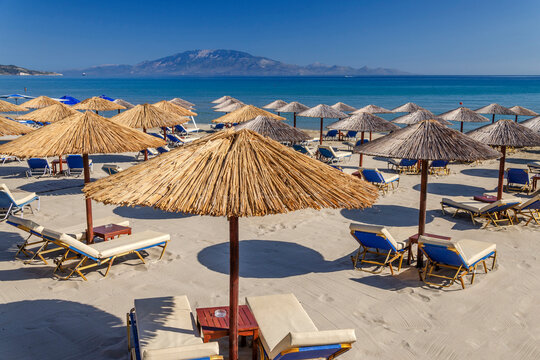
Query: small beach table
[[110, 231], [213, 327], [534, 181], [419, 256], [55, 163]]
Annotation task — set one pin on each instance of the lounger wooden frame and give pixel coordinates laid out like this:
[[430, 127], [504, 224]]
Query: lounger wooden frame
[[391, 256], [495, 215], [328, 352], [530, 214], [23, 248]]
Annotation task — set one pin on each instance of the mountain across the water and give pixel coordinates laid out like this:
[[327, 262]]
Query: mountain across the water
[[17, 70], [224, 63]]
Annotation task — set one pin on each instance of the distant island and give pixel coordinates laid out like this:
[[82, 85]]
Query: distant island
[[223, 63], [17, 70]]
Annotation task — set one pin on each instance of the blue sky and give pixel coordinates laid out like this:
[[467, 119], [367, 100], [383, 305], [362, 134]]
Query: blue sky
[[427, 37]]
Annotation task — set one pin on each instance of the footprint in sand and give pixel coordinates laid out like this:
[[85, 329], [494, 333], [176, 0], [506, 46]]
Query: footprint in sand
[[326, 298]]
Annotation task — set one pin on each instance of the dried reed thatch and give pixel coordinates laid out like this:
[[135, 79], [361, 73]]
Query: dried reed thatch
[[10, 127], [343, 107], [505, 132], [245, 113], [408, 107], [124, 103], [364, 122], [235, 174], [274, 105], [176, 109], [50, 113], [40, 102], [372, 109], [182, 102], [428, 140], [82, 133], [520, 110], [147, 116], [417, 116], [463, 114], [230, 108], [9, 107], [494, 109], [97, 104], [323, 111], [533, 123], [293, 107], [222, 99], [274, 129], [227, 103]]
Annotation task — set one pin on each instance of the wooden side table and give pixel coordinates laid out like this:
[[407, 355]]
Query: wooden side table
[[419, 256], [534, 181], [110, 231], [213, 327], [55, 163]]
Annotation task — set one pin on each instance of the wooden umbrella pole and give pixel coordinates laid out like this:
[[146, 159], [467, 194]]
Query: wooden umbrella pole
[[233, 287], [89, 221], [501, 173], [516, 118], [422, 215], [294, 116], [165, 133], [145, 150], [461, 127], [361, 155], [493, 119], [320, 139], [370, 136], [60, 163]]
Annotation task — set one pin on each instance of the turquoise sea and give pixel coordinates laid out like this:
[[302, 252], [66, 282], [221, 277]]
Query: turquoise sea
[[436, 93]]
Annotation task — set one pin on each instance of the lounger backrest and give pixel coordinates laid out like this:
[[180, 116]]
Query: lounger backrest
[[439, 163], [38, 163], [407, 162], [442, 251], [331, 133], [351, 133], [75, 161], [517, 176], [180, 129], [5, 189], [373, 236], [25, 224], [6, 200], [111, 169], [327, 151], [173, 138], [532, 203], [71, 242], [373, 176], [162, 149], [502, 205], [156, 135]]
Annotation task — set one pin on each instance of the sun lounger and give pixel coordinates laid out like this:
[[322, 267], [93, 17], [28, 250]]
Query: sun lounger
[[463, 256], [377, 240], [304, 150], [103, 252], [75, 165], [151, 152], [10, 205], [38, 166], [351, 146], [159, 136], [329, 155], [494, 212], [163, 149], [534, 167], [111, 169], [286, 332], [530, 209], [331, 134], [164, 329], [404, 166], [32, 228], [351, 134], [518, 180], [217, 127], [4, 158], [439, 167], [378, 179]]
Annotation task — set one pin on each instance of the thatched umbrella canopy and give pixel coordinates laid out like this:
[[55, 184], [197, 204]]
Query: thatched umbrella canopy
[[245, 113], [343, 107], [123, 103], [222, 99], [295, 107], [417, 116], [234, 174], [408, 108], [9, 107], [83, 133], [227, 103], [274, 129], [463, 114], [50, 113], [176, 109], [533, 123], [230, 108], [521, 111], [494, 109], [275, 105], [98, 104], [40, 102], [323, 111], [364, 122], [10, 127], [424, 141], [182, 102], [373, 109], [505, 133]]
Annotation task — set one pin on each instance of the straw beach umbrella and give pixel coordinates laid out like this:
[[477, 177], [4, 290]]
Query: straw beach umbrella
[[275, 105], [343, 107], [372, 109], [323, 111], [505, 133], [176, 109], [463, 114], [230, 108], [123, 103], [364, 122], [245, 113], [424, 141], [50, 113], [182, 102], [233, 174], [408, 107], [9, 107], [222, 99], [494, 109], [274, 129], [295, 107], [10, 127], [417, 116], [533, 123], [97, 104], [83, 133], [227, 103], [40, 102], [521, 111]]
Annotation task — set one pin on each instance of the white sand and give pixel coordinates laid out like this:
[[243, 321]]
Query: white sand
[[305, 252]]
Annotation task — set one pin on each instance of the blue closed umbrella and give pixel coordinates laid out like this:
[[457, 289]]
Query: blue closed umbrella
[[106, 98], [69, 100]]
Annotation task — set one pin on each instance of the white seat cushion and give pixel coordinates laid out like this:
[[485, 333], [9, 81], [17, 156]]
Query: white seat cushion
[[315, 338], [22, 200], [341, 154], [471, 205], [128, 243], [377, 229], [474, 250], [187, 352], [390, 178], [71, 242]]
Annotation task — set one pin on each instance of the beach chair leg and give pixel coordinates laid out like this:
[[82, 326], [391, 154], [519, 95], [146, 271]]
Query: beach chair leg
[[60, 261], [140, 256], [38, 254], [163, 251], [76, 270], [110, 264], [22, 247], [485, 266], [494, 259], [355, 258]]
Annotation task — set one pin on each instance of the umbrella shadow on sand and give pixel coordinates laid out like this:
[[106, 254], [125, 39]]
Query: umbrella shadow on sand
[[486, 173], [389, 215], [111, 158], [34, 328], [452, 189], [270, 259], [144, 212], [63, 186]]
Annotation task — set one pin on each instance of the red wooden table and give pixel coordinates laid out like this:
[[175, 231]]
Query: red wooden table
[[485, 198], [110, 231], [56, 162], [213, 327], [534, 180], [419, 257]]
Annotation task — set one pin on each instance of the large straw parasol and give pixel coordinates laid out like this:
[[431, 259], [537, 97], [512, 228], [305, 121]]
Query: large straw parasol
[[182, 102], [274, 129], [505, 133], [10, 127], [463, 114], [227, 103], [123, 103], [417, 116], [521, 111], [373, 109], [40, 102], [343, 107], [177, 109], [50, 113], [364, 122], [323, 111], [9, 107], [245, 113], [494, 109], [98, 104], [230, 108], [275, 105], [83, 133], [222, 99], [532, 123], [408, 107], [234, 174], [424, 141], [295, 107]]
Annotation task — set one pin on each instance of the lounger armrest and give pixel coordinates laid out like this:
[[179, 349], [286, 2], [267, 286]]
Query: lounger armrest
[[187, 352], [314, 338]]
